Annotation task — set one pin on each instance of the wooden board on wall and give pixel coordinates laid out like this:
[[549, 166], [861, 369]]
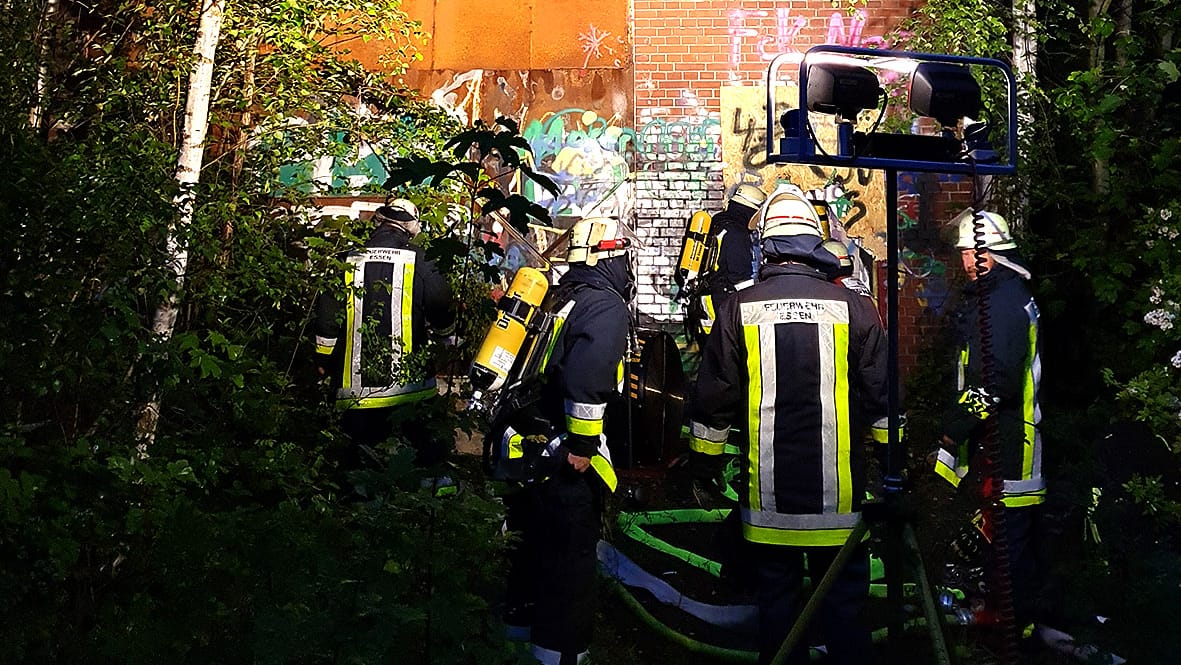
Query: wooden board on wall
[[744, 156]]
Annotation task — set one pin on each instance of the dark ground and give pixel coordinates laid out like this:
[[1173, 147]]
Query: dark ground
[[625, 635]]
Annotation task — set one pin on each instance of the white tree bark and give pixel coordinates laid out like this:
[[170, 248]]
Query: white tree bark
[[188, 173], [1025, 52], [36, 109]]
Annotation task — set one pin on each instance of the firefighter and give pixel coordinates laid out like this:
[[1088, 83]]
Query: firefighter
[[732, 255], [800, 363], [997, 285], [392, 297], [557, 510], [844, 274]]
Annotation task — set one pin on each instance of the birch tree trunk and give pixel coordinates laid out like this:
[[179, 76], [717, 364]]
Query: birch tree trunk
[[188, 172], [37, 108], [1025, 52], [1099, 172]]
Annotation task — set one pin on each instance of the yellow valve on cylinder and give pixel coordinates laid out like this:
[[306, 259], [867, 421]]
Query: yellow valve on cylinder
[[502, 343], [693, 248]]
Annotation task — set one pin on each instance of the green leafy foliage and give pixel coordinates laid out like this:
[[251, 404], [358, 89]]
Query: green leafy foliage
[[240, 535]]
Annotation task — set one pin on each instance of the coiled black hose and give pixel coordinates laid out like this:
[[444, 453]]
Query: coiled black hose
[[993, 507]]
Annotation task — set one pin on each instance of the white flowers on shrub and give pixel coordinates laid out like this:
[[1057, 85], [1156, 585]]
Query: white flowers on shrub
[[1166, 214], [1176, 360], [1160, 318], [1156, 295]]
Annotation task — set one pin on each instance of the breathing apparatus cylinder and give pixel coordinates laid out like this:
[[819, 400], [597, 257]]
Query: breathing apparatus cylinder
[[502, 343], [693, 248]]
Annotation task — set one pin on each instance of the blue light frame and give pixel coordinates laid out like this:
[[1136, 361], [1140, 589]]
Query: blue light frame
[[807, 153]]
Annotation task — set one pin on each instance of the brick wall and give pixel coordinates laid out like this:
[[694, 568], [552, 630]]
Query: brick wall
[[684, 52], [612, 93]]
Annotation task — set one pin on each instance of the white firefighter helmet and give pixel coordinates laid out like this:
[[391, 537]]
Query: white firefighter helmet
[[788, 213], [993, 231], [594, 238], [841, 251], [750, 196], [401, 213]]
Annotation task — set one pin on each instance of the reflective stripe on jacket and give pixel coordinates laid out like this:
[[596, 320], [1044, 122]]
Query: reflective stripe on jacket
[[800, 364], [1013, 323], [391, 292]]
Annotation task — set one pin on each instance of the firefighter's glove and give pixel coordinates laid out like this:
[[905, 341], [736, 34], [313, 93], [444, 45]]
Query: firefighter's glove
[[978, 402]]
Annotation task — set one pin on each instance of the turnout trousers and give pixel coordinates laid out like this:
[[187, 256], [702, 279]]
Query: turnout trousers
[[552, 569], [779, 576]]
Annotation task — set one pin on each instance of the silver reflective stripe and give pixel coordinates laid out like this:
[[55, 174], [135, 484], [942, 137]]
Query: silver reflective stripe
[[1035, 371], [708, 433], [325, 341], [828, 412], [743, 284], [550, 657], [358, 391], [399, 258], [1023, 486], [948, 460], [585, 411], [767, 418], [773, 520]]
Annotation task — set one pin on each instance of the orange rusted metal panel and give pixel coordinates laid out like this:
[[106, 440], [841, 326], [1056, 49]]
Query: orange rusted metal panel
[[580, 34], [477, 34]]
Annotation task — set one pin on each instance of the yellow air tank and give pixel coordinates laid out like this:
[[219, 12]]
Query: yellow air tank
[[502, 343], [693, 248]]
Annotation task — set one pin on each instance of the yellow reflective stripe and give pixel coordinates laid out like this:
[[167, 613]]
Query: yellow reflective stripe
[[798, 537], [605, 471], [844, 445], [707, 322], [706, 446], [947, 473], [731, 449], [350, 317], [754, 372], [707, 303], [553, 340], [1024, 500], [584, 427], [324, 349], [1028, 397], [407, 307], [390, 400], [516, 448]]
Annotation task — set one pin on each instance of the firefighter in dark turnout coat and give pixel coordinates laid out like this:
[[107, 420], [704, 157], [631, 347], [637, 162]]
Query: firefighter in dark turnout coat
[[551, 586], [998, 285], [733, 258], [394, 297], [800, 364]]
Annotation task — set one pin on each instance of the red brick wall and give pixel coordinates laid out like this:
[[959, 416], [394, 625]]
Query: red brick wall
[[696, 46]]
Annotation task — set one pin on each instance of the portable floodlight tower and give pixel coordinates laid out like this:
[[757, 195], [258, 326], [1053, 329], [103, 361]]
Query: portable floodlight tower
[[837, 86]]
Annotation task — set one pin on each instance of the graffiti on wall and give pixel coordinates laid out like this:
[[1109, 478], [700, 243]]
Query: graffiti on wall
[[587, 157], [680, 140], [747, 25], [744, 148], [460, 96], [861, 209]]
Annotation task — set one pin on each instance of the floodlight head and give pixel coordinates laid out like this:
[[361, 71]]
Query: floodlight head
[[842, 89], [944, 91], [976, 141]]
